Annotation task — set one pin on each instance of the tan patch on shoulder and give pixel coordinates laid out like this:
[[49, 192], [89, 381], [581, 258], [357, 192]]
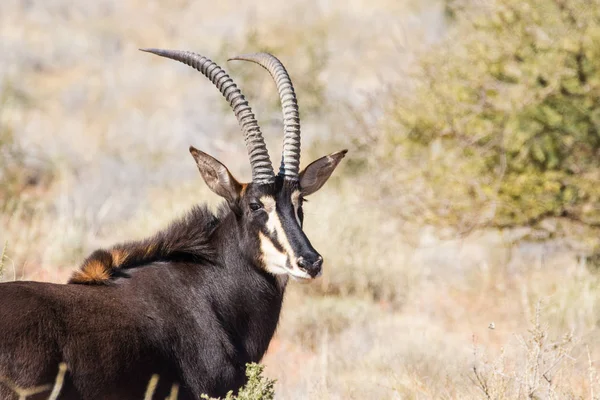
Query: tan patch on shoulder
[[93, 271], [119, 257]]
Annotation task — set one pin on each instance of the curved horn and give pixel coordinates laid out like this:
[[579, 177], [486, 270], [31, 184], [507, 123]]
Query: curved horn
[[290, 160], [262, 169]]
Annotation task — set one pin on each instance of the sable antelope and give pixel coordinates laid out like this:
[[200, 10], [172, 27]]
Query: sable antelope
[[193, 303]]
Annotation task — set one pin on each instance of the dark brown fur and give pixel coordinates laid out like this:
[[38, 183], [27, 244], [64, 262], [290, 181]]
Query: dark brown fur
[[186, 239]]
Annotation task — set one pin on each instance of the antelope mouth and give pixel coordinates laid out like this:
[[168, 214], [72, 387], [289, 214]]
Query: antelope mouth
[[298, 274]]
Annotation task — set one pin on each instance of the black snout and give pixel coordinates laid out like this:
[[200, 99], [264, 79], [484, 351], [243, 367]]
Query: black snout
[[311, 264]]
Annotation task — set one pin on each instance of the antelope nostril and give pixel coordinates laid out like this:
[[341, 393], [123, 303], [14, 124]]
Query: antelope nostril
[[319, 263], [302, 263], [312, 267]]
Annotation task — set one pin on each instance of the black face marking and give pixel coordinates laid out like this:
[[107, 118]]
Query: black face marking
[[278, 227], [274, 239], [301, 215]]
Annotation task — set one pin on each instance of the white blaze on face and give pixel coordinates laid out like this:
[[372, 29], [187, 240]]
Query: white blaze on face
[[276, 261], [296, 204], [270, 207]]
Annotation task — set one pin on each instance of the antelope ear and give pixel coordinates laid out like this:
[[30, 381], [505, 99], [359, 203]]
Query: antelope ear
[[217, 176], [314, 176]]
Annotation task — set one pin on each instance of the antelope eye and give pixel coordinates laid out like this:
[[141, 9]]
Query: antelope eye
[[255, 206]]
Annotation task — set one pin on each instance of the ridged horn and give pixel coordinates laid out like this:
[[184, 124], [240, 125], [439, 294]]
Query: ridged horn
[[262, 169], [290, 160]]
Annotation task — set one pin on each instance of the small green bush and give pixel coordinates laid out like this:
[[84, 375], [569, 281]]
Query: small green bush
[[257, 388]]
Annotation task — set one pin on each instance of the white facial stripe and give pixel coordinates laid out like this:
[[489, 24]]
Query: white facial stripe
[[275, 261], [282, 238], [296, 204], [295, 197], [269, 205]]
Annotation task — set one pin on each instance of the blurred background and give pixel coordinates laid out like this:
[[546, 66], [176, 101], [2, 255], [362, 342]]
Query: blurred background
[[460, 234]]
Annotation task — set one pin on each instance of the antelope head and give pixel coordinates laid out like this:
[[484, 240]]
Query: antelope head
[[268, 210]]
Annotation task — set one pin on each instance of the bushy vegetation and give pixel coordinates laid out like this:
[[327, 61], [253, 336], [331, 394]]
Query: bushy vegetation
[[258, 387], [501, 125], [538, 370]]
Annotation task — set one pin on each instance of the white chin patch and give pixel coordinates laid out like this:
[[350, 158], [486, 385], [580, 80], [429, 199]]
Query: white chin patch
[[303, 279], [276, 262], [299, 275]]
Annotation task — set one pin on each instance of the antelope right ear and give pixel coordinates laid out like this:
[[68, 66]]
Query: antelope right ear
[[217, 176], [316, 173]]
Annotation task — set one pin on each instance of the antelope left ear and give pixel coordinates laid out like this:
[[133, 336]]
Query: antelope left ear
[[217, 176], [314, 176]]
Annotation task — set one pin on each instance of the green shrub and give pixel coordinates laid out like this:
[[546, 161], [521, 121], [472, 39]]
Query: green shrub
[[502, 127], [257, 388]]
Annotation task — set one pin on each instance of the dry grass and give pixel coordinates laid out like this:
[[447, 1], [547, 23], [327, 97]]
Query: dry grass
[[2, 259], [399, 309], [53, 388], [355, 345], [258, 387]]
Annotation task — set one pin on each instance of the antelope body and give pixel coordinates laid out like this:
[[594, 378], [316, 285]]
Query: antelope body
[[193, 303]]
